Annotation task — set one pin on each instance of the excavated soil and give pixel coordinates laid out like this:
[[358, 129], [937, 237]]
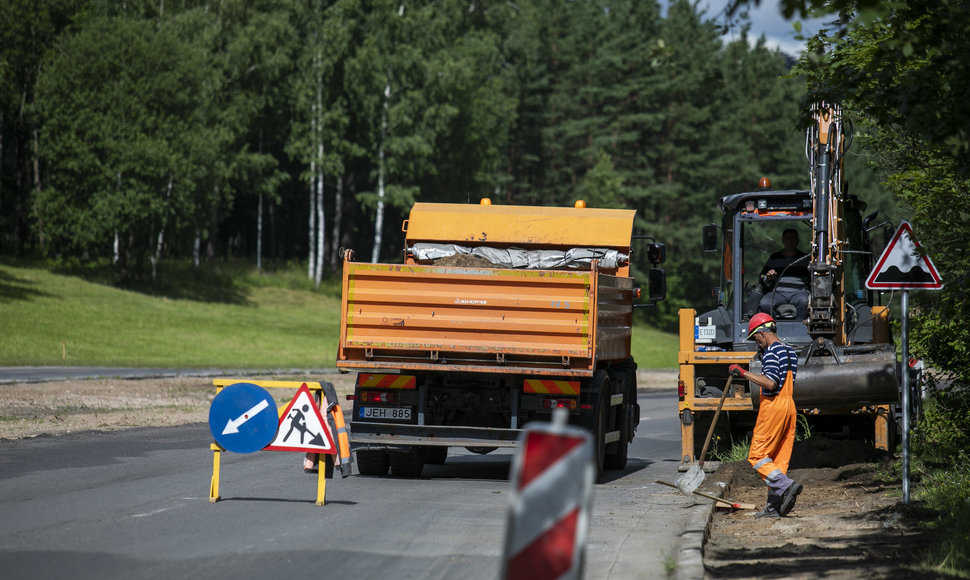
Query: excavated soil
[[849, 522]]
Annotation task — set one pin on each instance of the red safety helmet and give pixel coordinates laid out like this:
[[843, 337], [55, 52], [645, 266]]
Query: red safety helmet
[[760, 321]]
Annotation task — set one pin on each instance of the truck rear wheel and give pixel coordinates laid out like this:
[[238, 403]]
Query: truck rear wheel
[[435, 455], [408, 463], [372, 462], [618, 458], [601, 381]]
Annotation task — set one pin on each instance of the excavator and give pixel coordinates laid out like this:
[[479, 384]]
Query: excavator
[[847, 382]]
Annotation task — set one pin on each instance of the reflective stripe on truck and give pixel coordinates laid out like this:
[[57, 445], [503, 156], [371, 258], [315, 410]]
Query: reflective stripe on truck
[[379, 381], [547, 387]]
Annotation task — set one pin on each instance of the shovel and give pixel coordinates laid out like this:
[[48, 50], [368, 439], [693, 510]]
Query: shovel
[[718, 501], [694, 477]]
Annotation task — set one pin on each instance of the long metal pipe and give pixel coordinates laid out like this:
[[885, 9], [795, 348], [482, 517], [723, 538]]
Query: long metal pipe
[[861, 379]]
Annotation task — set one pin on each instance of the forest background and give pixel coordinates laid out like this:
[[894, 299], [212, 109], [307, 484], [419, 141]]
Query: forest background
[[140, 133]]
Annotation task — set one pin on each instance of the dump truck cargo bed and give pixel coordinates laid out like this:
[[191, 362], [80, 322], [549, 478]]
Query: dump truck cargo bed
[[482, 319]]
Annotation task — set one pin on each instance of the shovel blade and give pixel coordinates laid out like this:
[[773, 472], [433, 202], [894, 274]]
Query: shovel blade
[[691, 480]]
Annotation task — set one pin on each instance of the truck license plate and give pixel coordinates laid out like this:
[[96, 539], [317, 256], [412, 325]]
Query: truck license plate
[[392, 413]]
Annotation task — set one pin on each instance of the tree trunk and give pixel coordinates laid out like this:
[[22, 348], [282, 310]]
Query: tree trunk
[[259, 236], [36, 165], [210, 245], [312, 230], [335, 227], [381, 171], [321, 223], [157, 253], [196, 247], [321, 235]]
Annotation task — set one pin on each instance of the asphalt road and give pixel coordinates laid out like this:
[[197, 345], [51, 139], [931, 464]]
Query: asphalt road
[[134, 504]]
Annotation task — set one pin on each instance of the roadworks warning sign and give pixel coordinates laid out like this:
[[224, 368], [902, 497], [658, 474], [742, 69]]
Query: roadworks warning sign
[[902, 266], [302, 427]]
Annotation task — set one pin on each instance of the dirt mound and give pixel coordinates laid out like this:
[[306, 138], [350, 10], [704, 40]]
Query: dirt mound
[[464, 260], [826, 452], [849, 522]]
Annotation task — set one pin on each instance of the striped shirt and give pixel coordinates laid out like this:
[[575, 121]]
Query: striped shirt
[[776, 360]]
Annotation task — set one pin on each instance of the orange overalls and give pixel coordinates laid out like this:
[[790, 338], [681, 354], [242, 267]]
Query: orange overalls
[[774, 436]]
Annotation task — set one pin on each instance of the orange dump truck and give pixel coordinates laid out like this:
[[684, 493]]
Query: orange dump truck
[[498, 316]]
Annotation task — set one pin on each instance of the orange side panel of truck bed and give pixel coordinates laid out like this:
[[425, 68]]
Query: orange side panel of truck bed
[[495, 320]]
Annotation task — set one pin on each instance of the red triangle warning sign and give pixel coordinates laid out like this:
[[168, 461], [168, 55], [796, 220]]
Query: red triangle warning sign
[[302, 427], [902, 267]]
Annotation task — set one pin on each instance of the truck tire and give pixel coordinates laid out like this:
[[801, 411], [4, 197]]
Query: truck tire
[[373, 462], [627, 416], [408, 463], [601, 383], [618, 458], [435, 455]]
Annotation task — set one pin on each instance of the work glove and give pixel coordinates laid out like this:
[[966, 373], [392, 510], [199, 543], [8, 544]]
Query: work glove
[[736, 371]]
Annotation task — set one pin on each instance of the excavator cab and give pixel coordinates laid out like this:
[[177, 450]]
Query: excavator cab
[[753, 229]]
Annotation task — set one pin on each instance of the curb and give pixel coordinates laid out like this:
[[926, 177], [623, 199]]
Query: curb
[[690, 552]]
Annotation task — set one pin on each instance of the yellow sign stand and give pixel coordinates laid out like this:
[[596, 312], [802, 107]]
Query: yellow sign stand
[[325, 470]]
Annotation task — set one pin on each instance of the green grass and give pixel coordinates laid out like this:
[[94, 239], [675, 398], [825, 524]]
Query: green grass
[[654, 349], [222, 316], [55, 319]]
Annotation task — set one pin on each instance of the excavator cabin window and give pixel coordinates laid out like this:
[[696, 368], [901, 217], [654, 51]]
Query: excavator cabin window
[[774, 268]]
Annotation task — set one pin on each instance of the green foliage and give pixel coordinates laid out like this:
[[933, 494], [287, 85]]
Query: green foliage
[[737, 452], [946, 491], [944, 429], [177, 125]]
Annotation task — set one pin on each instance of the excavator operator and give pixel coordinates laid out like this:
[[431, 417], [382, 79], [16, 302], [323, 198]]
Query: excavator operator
[[785, 280]]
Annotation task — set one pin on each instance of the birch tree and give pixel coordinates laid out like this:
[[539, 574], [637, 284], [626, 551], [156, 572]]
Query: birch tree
[[318, 131]]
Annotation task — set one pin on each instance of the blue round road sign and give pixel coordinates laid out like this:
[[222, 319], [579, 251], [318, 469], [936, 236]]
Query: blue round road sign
[[243, 418]]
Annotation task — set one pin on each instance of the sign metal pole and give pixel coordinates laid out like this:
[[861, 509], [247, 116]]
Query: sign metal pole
[[905, 382]]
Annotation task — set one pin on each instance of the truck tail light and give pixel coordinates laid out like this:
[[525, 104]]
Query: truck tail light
[[681, 390], [559, 404], [378, 397], [351, 397]]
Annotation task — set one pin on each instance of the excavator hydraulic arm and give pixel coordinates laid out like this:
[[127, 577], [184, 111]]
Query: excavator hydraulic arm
[[825, 146]]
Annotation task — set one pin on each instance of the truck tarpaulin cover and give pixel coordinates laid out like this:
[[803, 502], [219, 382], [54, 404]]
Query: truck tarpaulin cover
[[572, 259]]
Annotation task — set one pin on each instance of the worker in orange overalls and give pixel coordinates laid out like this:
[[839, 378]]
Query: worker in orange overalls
[[774, 430]]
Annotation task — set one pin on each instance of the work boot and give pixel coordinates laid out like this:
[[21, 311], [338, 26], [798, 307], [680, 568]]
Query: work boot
[[788, 498], [768, 512]]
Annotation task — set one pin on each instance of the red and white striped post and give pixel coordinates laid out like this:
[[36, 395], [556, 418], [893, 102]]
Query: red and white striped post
[[552, 482]]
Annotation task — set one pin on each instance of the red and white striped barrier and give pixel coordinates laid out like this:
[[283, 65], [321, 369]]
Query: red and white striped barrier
[[552, 482]]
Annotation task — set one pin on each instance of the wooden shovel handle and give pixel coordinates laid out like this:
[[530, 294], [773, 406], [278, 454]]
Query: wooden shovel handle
[[710, 432]]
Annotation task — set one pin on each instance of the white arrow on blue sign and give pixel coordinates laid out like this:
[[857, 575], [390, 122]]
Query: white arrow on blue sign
[[243, 418]]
